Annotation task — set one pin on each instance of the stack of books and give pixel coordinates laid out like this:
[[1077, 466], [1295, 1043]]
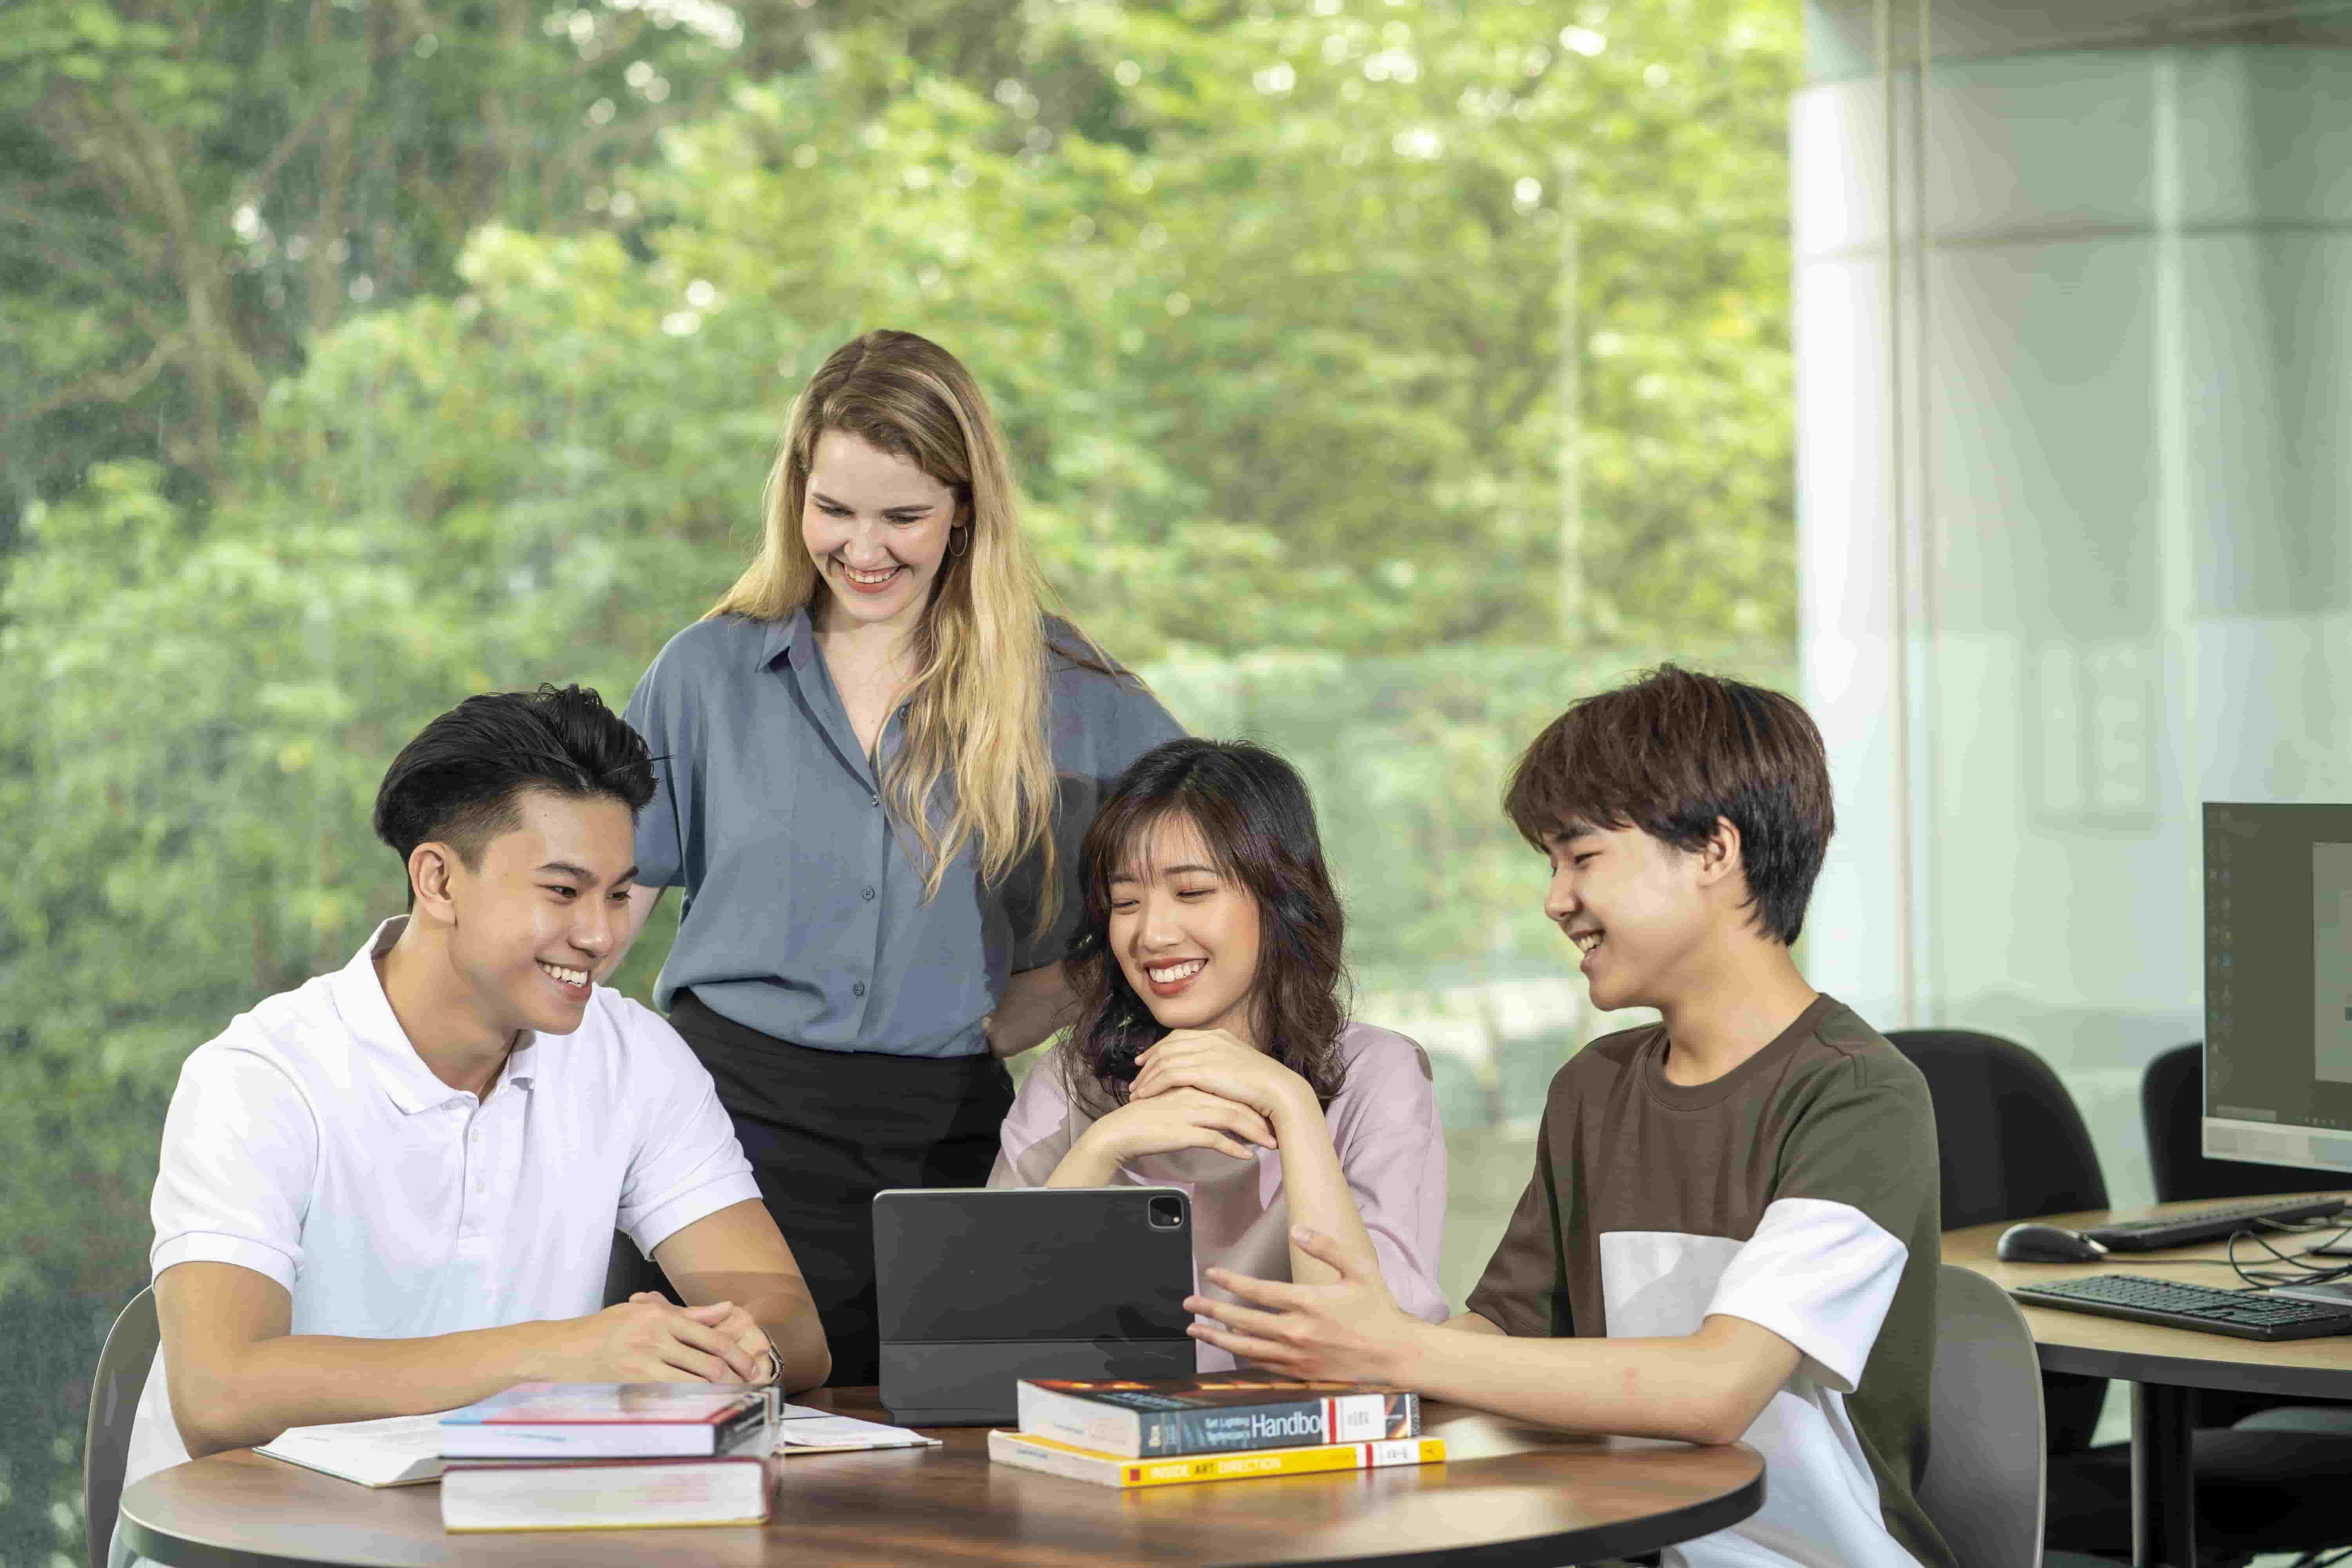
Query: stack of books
[[1221, 1426], [607, 1456]]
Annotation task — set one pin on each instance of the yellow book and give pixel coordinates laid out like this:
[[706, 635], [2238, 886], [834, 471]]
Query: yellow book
[[1059, 1458]]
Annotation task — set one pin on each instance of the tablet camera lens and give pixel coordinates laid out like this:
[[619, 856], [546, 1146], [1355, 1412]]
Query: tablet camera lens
[[1167, 1213]]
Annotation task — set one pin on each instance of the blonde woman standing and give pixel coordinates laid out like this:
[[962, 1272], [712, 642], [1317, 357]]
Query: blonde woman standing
[[880, 756]]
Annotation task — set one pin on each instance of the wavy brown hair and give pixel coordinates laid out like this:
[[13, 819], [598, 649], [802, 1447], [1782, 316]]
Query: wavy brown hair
[[1253, 812]]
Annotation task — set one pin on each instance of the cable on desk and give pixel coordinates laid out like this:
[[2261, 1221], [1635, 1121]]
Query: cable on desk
[[2295, 1270]]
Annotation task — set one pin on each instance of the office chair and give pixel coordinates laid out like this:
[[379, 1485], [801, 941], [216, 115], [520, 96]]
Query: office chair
[[1983, 1486], [2172, 1112], [1984, 1489], [122, 1376], [2009, 1146]]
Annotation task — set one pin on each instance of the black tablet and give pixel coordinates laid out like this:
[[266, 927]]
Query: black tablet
[[979, 1288]]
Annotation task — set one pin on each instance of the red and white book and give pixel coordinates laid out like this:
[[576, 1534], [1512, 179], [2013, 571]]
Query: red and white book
[[602, 1494], [611, 1421]]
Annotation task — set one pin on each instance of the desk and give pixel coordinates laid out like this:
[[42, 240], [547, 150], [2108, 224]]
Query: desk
[[1506, 1495], [2164, 1366]]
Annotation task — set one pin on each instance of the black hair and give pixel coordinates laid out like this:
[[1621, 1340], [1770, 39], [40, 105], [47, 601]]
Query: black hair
[[1255, 816], [457, 781]]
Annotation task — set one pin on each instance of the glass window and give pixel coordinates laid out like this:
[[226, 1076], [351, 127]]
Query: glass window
[[1381, 374]]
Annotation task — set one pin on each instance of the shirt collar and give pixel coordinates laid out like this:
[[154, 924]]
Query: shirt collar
[[793, 637], [380, 1041]]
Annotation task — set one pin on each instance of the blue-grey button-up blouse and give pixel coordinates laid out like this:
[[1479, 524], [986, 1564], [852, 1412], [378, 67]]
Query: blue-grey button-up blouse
[[804, 914]]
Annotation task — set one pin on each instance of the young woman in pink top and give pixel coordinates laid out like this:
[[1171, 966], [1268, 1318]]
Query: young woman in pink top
[[1211, 1052]]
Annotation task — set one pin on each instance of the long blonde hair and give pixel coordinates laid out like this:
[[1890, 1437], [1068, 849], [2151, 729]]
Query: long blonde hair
[[976, 701]]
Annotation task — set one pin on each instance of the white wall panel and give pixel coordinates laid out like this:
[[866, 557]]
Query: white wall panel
[[2128, 466]]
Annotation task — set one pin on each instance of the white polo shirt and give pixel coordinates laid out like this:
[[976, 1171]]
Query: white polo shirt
[[310, 1143]]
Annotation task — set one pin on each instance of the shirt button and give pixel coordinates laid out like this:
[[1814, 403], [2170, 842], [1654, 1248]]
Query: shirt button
[[867, 895], [874, 800], [859, 989]]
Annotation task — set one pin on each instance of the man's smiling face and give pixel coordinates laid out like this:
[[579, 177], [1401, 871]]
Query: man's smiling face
[[1631, 903], [541, 909]]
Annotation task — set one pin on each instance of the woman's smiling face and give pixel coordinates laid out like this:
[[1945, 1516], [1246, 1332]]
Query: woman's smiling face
[[876, 526], [1186, 932]]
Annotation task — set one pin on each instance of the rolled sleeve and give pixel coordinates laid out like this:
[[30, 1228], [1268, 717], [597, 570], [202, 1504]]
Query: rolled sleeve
[[687, 1164], [213, 1246], [239, 1162], [1819, 1275]]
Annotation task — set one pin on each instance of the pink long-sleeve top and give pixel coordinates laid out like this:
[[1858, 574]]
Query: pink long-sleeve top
[[1384, 1124]]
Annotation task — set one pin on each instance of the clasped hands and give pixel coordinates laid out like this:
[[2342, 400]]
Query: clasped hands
[[1205, 1088], [650, 1339]]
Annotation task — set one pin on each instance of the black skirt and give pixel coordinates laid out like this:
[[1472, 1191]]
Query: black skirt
[[825, 1130]]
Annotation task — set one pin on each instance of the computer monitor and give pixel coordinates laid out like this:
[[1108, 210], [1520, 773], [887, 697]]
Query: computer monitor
[[2278, 985]]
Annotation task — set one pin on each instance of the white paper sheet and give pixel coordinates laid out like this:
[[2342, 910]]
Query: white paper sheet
[[399, 1450], [804, 1430]]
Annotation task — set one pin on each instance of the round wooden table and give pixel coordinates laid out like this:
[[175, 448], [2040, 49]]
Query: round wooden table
[[1506, 1494], [2164, 1366]]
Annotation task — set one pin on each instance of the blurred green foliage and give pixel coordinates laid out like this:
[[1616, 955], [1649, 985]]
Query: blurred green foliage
[[355, 357]]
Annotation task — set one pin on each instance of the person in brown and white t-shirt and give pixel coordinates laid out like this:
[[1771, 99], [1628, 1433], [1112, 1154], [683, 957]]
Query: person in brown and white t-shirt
[[1731, 1228], [1793, 1193]]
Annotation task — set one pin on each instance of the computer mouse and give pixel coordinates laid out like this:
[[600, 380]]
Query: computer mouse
[[2046, 1243]]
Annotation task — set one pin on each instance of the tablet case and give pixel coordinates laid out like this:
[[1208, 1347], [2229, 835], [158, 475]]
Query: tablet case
[[980, 1288]]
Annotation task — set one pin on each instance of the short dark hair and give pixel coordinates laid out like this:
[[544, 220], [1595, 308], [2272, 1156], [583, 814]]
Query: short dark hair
[[1254, 813], [457, 781], [1671, 751]]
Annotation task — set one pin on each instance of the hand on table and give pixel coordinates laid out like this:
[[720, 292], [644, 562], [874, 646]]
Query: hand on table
[[1351, 1330], [1216, 1062], [732, 1323], [647, 1339]]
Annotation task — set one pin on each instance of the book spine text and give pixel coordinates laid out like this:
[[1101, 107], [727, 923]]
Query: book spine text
[[1285, 1424]]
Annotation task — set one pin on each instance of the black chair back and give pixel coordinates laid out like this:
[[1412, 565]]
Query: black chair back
[[2010, 1143], [2172, 1110]]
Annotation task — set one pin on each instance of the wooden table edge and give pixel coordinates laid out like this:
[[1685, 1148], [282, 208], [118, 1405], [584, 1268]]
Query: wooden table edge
[[1621, 1538], [2174, 1357], [1631, 1538], [185, 1551], [2199, 1371], [1628, 1539]]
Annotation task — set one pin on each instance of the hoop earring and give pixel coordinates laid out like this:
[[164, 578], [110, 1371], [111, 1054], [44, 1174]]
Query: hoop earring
[[960, 540]]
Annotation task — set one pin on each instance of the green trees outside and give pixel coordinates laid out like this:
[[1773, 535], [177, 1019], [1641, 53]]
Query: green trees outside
[[1381, 375]]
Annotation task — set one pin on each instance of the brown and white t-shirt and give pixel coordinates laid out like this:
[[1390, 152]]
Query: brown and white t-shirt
[[1798, 1192]]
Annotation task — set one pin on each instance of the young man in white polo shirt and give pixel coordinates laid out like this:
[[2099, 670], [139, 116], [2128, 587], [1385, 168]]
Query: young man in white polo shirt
[[394, 1190]]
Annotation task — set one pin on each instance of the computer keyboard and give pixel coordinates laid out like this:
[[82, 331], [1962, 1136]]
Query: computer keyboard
[[2205, 1307], [2206, 1225]]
